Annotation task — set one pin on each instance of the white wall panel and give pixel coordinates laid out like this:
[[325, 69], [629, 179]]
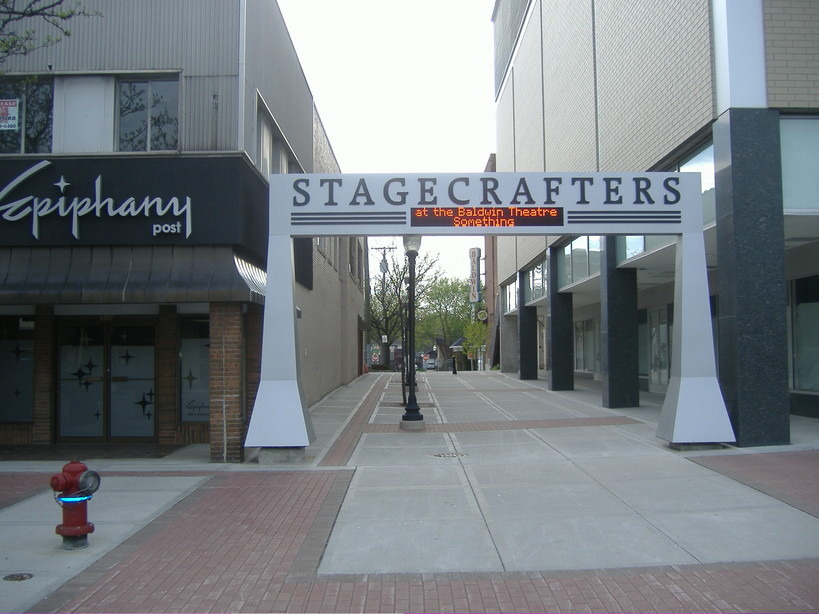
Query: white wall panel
[[84, 114]]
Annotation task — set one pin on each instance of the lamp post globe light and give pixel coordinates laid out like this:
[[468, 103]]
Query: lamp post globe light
[[412, 419]]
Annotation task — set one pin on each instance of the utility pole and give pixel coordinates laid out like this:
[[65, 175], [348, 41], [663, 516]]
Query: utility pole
[[385, 345]]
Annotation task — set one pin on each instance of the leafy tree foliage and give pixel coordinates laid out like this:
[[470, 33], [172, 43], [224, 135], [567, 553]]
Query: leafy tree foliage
[[387, 308], [444, 313], [476, 335], [18, 18]]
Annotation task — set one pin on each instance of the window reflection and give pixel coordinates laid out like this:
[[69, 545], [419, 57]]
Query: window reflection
[[26, 118], [148, 115], [580, 260]]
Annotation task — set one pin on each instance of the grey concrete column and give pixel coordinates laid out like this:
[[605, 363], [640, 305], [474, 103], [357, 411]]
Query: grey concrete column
[[618, 330], [561, 330], [527, 332], [753, 367]]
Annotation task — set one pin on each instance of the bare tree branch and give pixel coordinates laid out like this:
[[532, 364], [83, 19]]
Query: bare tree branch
[[18, 19]]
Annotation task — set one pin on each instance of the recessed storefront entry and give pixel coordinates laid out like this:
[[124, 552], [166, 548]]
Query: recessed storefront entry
[[106, 381]]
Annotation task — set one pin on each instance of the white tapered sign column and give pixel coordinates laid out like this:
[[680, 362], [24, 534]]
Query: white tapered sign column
[[280, 417], [694, 410]]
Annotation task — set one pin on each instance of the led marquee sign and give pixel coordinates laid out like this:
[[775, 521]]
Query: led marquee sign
[[485, 217], [486, 204]]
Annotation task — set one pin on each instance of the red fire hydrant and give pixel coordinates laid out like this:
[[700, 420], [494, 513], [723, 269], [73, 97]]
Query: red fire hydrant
[[73, 488]]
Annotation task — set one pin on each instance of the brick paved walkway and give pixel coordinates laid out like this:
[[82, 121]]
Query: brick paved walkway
[[789, 476], [251, 542]]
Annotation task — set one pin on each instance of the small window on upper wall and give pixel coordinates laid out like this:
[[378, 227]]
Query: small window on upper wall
[[148, 115], [26, 115]]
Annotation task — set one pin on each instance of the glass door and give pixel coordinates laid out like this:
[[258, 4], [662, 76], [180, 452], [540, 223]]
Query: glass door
[[81, 369], [131, 398], [106, 377]]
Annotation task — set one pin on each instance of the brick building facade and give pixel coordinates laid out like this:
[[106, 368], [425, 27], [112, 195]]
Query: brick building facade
[[133, 228]]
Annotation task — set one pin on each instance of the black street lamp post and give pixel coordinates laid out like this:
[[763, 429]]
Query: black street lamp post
[[412, 419]]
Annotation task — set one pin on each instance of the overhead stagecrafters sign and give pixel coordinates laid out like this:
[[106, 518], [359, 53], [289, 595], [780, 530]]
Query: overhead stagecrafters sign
[[486, 204], [491, 204]]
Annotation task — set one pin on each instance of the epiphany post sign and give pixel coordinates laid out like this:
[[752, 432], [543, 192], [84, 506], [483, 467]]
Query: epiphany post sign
[[491, 204]]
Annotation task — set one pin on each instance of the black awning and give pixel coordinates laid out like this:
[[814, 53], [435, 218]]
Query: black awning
[[104, 274]]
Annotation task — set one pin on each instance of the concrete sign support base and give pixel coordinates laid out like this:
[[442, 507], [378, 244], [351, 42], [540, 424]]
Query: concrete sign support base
[[280, 417], [412, 425], [694, 410]]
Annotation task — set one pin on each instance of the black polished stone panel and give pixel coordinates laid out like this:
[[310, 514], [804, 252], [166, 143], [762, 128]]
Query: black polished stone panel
[[753, 368], [561, 330], [618, 331], [527, 332]]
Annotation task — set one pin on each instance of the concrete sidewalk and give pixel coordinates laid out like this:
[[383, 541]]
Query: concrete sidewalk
[[513, 498]]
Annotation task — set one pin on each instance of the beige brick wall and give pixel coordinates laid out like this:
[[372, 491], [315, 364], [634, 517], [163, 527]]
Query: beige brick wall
[[568, 75], [654, 78], [528, 100], [507, 258], [792, 53], [654, 85], [505, 127], [328, 327]]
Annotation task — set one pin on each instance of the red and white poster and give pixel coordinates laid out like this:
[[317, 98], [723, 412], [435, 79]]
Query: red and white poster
[[9, 114]]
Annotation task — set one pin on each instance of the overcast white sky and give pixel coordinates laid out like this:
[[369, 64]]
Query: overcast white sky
[[402, 86]]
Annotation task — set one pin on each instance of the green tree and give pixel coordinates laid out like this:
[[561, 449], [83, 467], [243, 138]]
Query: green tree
[[18, 18], [476, 335], [444, 313], [387, 309]]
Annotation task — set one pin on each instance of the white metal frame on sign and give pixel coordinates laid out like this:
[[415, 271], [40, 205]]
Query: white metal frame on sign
[[491, 204]]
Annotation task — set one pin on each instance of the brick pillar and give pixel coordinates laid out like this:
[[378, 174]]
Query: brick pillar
[[45, 393], [167, 375], [226, 390], [253, 354]]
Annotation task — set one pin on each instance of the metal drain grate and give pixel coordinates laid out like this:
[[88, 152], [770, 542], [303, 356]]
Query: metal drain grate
[[448, 454]]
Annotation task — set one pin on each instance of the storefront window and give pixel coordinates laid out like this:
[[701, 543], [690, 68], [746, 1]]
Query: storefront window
[[148, 115], [26, 116], [580, 260], [536, 282], [16, 370], [701, 162], [595, 248], [800, 157], [195, 357], [510, 296], [586, 346], [805, 317], [659, 329]]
